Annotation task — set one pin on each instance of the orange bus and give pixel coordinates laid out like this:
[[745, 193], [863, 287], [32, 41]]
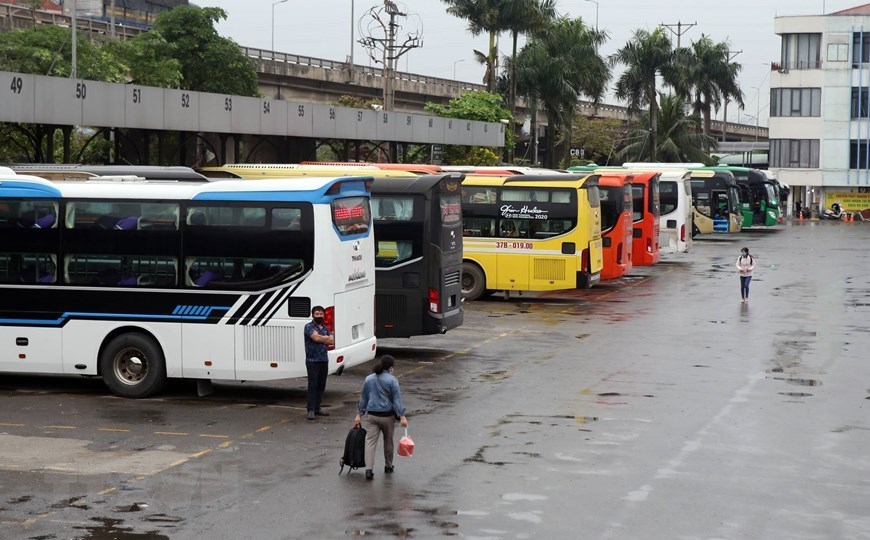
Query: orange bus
[[614, 191], [645, 214]]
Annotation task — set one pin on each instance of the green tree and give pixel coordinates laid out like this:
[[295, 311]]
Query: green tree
[[705, 74], [555, 68], [597, 137], [474, 105], [150, 60], [482, 16], [646, 56], [209, 62], [678, 139], [47, 50]]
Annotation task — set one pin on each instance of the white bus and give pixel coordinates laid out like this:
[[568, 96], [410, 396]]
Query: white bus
[[676, 225], [139, 281]]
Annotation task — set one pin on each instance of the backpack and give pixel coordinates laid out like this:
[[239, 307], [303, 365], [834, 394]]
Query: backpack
[[354, 450]]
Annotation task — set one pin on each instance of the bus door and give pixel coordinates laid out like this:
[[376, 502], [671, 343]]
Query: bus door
[[721, 207], [29, 238], [513, 263], [399, 240], [445, 294], [645, 215], [616, 225]]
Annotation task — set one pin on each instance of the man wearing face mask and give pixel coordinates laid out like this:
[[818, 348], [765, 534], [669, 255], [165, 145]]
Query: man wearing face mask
[[318, 339], [745, 266]]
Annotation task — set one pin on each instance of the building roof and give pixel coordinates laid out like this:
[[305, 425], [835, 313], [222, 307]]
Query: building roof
[[857, 10]]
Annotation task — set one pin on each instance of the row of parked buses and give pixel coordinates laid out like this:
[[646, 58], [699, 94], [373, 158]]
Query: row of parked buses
[[140, 274]]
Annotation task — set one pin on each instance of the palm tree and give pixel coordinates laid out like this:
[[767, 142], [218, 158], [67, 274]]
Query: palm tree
[[482, 16], [556, 67], [706, 75], [523, 16], [677, 140], [646, 56]]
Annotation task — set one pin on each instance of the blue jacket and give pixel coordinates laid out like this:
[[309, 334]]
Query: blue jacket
[[381, 394]]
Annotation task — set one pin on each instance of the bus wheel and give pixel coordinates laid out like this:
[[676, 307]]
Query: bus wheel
[[133, 366], [473, 281]]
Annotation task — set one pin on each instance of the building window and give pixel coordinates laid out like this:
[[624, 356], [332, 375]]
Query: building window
[[858, 158], [838, 52], [859, 102], [860, 48], [794, 153], [796, 102], [801, 51]]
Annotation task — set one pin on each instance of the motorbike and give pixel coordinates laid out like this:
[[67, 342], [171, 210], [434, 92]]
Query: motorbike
[[834, 213]]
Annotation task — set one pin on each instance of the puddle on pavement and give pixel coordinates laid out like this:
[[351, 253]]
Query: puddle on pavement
[[112, 529], [795, 394]]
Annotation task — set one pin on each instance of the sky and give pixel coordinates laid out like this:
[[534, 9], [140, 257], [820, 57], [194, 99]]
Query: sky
[[322, 29]]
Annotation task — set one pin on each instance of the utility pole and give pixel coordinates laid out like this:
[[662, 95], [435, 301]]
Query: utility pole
[[731, 56], [74, 68], [681, 29], [389, 51]]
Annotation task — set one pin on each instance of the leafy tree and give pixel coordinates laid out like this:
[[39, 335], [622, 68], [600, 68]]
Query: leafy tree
[[646, 56], [705, 74], [482, 16], [598, 137], [678, 138], [209, 62], [558, 66], [474, 105], [47, 50], [149, 60]]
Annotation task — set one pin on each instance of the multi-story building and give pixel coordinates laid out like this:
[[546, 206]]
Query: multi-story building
[[819, 113]]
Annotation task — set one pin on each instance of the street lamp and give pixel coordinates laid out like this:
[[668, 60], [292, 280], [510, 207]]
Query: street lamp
[[596, 12], [454, 67], [757, 108], [273, 21]]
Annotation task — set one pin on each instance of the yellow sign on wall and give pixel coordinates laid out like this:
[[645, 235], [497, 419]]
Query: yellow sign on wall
[[851, 202]]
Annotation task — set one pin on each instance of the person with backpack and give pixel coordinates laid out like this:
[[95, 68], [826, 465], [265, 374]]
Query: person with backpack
[[380, 404], [745, 266]]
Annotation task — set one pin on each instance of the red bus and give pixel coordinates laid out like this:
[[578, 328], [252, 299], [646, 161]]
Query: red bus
[[645, 215], [614, 191]]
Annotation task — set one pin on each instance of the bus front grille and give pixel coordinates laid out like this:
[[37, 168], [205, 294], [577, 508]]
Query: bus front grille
[[268, 344], [549, 269], [451, 278]]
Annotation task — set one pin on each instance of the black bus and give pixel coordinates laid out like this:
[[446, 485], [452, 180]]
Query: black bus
[[418, 256]]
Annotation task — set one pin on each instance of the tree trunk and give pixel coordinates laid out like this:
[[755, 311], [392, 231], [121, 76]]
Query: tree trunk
[[551, 141], [653, 126], [493, 55], [533, 131], [569, 132], [509, 153], [705, 110]]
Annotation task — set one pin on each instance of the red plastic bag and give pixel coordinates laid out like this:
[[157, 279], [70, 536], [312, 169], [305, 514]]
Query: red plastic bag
[[406, 445]]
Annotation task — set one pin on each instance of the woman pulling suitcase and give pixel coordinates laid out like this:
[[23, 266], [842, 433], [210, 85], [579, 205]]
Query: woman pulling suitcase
[[379, 406]]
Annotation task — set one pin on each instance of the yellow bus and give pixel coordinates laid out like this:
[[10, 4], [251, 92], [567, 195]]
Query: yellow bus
[[530, 233]]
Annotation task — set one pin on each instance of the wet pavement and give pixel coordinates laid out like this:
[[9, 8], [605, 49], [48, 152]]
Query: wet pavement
[[657, 406]]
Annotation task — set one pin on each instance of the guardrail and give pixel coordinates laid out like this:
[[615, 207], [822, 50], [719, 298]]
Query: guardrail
[[12, 17]]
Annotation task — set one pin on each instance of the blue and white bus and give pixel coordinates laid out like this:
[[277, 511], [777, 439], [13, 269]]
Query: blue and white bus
[[138, 281]]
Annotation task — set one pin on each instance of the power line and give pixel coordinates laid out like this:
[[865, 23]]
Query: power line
[[681, 29]]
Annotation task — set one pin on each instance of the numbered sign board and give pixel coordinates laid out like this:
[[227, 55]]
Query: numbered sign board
[[181, 110], [324, 121], [143, 107], [429, 129], [18, 97], [346, 123], [300, 119], [215, 113], [404, 127], [59, 101], [273, 117]]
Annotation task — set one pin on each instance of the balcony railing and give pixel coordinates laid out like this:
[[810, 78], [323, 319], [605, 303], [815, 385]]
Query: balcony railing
[[785, 67]]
